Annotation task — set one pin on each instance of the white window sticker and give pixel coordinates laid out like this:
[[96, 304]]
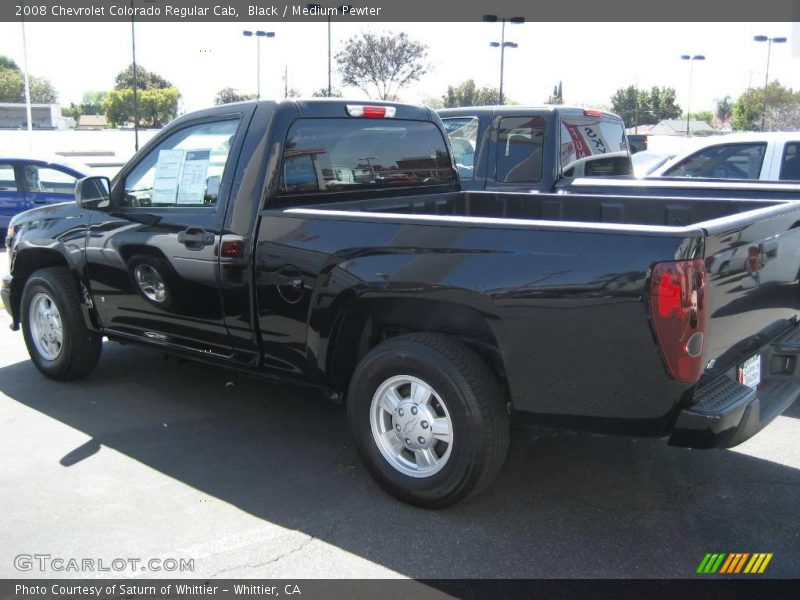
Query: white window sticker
[[193, 178], [168, 168]]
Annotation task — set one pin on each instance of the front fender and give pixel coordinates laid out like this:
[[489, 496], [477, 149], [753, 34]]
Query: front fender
[[31, 255]]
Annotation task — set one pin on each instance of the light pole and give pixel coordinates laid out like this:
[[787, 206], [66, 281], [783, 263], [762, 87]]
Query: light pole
[[330, 57], [503, 44], [135, 84], [691, 60], [258, 35], [28, 110], [770, 41]]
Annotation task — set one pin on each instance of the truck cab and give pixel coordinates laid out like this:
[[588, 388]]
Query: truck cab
[[533, 149]]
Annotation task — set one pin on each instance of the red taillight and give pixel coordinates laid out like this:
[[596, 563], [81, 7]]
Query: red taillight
[[232, 249], [591, 112], [679, 313], [371, 112]]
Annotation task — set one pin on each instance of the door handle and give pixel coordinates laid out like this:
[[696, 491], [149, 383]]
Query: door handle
[[196, 236]]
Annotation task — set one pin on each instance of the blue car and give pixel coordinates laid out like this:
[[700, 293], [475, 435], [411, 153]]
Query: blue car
[[27, 183]]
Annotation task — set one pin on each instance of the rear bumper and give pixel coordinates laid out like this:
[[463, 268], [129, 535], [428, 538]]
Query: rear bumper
[[726, 413]]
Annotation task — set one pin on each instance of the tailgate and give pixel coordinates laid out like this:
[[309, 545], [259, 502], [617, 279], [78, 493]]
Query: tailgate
[[752, 339]]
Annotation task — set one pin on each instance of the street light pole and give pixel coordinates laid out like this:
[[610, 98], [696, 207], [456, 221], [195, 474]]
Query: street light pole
[[691, 60], [135, 84], [338, 9], [329, 56], [258, 35], [28, 109], [503, 44], [769, 40]]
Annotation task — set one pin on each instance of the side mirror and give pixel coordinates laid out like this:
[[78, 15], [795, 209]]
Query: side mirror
[[93, 192]]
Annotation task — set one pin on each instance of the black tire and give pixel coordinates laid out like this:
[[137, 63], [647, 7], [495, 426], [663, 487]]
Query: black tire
[[476, 406], [80, 347]]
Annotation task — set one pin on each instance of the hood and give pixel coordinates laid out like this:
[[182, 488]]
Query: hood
[[49, 211]]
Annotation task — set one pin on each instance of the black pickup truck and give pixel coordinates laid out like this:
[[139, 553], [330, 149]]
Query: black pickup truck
[[328, 243]]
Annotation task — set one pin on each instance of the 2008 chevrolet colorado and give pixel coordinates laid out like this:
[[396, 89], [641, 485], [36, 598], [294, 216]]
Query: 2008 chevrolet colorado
[[328, 243]]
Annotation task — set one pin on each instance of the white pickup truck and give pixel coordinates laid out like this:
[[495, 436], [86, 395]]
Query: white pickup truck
[[768, 156]]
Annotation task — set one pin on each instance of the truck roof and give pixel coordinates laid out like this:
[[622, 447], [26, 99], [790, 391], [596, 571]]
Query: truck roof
[[515, 109], [320, 108]]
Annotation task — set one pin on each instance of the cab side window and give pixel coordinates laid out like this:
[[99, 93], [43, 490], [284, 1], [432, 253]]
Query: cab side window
[[790, 167], [519, 150], [725, 161], [184, 170], [47, 179], [8, 181]]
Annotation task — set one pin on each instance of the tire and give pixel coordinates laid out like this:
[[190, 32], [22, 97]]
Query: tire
[[50, 303], [465, 406]]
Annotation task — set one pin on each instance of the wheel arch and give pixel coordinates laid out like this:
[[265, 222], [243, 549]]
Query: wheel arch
[[364, 323], [28, 259]]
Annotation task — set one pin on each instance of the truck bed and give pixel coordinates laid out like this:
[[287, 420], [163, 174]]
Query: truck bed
[[568, 208]]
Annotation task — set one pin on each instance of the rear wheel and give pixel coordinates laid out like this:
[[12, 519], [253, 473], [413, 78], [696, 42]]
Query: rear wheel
[[428, 419], [58, 341]]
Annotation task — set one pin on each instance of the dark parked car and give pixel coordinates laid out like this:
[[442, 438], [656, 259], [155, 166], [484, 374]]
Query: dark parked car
[[26, 183], [328, 243]]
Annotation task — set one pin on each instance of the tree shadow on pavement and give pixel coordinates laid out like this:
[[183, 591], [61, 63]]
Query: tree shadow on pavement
[[565, 505]]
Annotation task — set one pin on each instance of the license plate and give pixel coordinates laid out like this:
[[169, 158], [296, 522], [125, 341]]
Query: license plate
[[750, 372]]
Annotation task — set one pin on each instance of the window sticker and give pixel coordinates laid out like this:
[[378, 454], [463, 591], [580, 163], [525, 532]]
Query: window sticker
[[168, 168], [192, 187]]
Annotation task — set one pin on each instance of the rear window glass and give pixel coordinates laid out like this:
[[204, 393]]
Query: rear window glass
[[585, 136], [328, 155], [519, 149]]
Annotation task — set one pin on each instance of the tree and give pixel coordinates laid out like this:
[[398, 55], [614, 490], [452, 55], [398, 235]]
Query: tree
[[467, 93], [724, 109], [643, 107], [293, 93], [12, 88], [145, 80], [749, 108], [93, 103], [156, 107], [323, 93], [434, 102], [228, 95], [8, 63], [557, 97], [381, 64], [703, 115]]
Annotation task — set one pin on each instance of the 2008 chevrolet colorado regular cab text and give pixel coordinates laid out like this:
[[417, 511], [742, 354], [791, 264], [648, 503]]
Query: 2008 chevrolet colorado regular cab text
[[328, 243]]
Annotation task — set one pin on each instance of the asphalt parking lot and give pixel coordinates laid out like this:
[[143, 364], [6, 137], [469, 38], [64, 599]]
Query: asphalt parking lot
[[154, 458]]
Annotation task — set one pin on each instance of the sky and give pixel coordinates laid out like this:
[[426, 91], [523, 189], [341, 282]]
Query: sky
[[591, 59]]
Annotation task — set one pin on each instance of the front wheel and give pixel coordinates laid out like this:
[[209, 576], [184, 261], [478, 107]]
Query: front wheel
[[58, 341], [428, 418]]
